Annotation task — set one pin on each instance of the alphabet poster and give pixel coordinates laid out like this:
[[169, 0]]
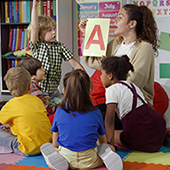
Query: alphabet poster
[[107, 9], [161, 13], [95, 41]]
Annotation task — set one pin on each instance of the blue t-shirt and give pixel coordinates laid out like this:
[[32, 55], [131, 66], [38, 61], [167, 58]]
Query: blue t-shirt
[[80, 132]]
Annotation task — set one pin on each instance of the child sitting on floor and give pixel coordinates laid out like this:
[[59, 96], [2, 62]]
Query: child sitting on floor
[[76, 128], [26, 116], [34, 67], [143, 128]]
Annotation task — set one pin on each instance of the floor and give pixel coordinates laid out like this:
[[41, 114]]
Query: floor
[[166, 115]]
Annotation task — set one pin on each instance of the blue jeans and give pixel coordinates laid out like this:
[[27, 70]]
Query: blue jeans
[[8, 143]]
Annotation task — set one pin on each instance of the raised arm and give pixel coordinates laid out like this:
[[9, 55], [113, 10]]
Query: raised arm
[[34, 22]]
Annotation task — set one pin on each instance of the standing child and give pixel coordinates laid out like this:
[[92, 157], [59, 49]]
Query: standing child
[[26, 116], [76, 128], [45, 47], [143, 128], [34, 67]]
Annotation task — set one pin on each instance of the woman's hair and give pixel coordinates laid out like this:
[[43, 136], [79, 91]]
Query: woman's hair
[[146, 28], [30, 64], [17, 80], [118, 66], [77, 89], [44, 22]]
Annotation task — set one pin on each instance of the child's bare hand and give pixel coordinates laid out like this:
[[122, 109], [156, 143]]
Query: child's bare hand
[[82, 25], [6, 127], [112, 147], [36, 2]]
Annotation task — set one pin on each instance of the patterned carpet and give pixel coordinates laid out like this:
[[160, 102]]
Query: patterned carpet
[[132, 160]]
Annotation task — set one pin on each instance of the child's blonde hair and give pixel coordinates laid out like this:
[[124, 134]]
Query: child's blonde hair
[[17, 80], [44, 22]]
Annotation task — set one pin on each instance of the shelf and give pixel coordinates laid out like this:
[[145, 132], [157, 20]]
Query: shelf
[[14, 24]]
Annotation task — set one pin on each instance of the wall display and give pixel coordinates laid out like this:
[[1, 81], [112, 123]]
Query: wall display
[[161, 12], [95, 41], [95, 9]]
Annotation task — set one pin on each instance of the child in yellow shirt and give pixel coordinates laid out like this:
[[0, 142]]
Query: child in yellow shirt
[[26, 116]]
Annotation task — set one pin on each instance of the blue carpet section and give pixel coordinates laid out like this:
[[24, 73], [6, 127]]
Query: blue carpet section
[[37, 161], [123, 152], [164, 149]]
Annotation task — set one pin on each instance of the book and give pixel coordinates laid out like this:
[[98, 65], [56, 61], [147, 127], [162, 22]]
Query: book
[[28, 11], [14, 11], [10, 40], [10, 11], [22, 40], [24, 11], [19, 38], [17, 10], [39, 8], [31, 2], [16, 62], [54, 10], [14, 39], [25, 38], [44, 7], [6, 12], [9, 63], [20, 11], [12, 63], [48, 4]]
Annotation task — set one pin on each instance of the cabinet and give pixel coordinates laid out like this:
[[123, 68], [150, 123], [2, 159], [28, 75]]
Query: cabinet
[[15, 16], [14, 19]]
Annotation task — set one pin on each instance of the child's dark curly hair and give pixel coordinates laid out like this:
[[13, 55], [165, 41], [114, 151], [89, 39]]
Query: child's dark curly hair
[[118, 66]]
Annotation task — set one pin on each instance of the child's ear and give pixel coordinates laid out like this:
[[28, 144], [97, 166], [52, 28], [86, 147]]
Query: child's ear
[[33, 77], [30, 88], [110, 75]]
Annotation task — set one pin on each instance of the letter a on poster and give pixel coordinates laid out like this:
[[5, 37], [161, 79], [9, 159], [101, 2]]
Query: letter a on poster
[[96, 37]]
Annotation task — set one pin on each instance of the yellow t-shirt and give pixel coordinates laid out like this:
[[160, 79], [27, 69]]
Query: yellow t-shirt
[[28, 120]]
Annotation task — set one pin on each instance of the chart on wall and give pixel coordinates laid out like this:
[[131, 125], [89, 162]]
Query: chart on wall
[[95, 9], [161, 12]]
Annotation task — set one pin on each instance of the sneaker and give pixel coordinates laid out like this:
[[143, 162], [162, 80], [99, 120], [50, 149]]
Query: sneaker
[[111, 159], [53, 159]]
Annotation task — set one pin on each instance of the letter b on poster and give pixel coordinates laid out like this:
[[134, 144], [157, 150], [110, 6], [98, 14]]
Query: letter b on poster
[[96, 37]]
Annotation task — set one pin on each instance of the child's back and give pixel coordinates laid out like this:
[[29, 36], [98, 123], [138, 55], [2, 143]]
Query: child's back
[[27, 118], [25, 114]]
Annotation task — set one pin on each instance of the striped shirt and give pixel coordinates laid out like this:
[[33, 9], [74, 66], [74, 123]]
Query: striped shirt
[[37, 92], [51, 58]]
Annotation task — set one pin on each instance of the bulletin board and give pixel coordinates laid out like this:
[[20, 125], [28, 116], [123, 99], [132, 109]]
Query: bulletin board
[[161, 12]]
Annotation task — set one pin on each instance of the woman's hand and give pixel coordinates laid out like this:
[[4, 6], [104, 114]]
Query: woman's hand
[[82, 25]]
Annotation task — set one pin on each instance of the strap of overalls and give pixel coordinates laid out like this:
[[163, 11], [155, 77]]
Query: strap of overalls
[[135, 95]]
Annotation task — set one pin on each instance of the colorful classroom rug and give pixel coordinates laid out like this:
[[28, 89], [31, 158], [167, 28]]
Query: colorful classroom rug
[[132, 160]]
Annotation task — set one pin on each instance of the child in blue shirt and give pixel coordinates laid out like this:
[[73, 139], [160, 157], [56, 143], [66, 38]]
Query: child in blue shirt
[[76, 128]]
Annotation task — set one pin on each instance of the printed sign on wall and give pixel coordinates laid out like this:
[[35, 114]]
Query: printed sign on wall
[[95, 41], [96, 9]]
